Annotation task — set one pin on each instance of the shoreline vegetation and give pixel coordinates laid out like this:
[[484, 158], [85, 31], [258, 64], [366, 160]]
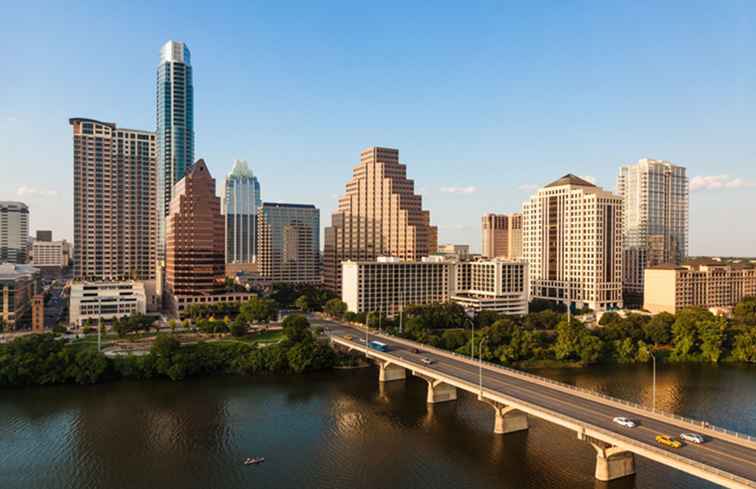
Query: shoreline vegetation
[[544, 338]]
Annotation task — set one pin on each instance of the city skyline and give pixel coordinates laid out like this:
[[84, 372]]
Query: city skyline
[[501, 148]]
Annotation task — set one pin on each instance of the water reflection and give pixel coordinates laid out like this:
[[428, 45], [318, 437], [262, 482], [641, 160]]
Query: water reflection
[[331, 430]]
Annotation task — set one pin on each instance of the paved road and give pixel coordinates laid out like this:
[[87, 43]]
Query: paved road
[[730, 457]]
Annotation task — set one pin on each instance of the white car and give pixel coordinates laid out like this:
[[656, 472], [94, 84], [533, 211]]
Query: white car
[[692, 437], [623, 421], [427, 361]]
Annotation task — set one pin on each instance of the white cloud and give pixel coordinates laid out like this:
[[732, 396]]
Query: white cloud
[[27, 191], [716, 182], [528, 187], [460, 190]]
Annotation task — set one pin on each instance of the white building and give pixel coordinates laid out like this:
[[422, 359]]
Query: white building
[[106, 300], [493, 285], [572, 241], [655, 218], [389, 284], [50, 253]]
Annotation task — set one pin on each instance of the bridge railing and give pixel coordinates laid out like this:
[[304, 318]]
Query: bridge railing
[[545, 380]]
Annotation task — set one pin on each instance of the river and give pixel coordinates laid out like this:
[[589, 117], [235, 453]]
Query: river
[[330, 430]]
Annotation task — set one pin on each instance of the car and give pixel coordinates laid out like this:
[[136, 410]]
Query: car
[[348, 337], [667, 441], [415, 350], [623, 421], [692, 437], [427, 361]]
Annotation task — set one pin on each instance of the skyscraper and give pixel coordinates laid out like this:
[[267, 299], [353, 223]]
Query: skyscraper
[[175, 126], [572, 240], [14, 231], [379, 215], [502, 235], [115, 225], [655, 218], [289, 243], [241, 200], [194, 238]]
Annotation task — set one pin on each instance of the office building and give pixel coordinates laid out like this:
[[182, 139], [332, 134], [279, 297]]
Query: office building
[[44, 235], [379, 215], [502, 235], [114, 194], [453, 251], [497, 285], [50, 254], [289, 243], [19, 283], [572, 241], [175, 127], [194, 266], [655, 218], [389, 284], [14, 232], [92, 302], [241, 200], [716, 286]]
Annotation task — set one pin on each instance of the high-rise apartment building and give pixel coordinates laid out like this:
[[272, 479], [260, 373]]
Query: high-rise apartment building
[[572, 241], [194, 238], [379, 215], [502, 235], [175, 126], [289, 243], [53, 254], [655, 218], [115, 225], [241, 201], [19, 284], [14, 232]]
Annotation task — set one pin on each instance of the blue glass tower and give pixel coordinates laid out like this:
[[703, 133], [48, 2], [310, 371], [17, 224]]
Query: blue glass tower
[[175, 126], [241, 201]]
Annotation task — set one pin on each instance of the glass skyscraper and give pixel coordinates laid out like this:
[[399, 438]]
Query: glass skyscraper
[[175, 126], [241, 200]]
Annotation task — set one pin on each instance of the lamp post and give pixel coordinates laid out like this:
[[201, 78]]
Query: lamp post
[[653, 388], [480, 366]]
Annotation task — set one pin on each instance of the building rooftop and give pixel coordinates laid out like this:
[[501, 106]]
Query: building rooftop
[[175, 52], [14, 270], [570, 179]]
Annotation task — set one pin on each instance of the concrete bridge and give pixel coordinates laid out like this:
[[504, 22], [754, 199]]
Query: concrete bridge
[[726, 458]]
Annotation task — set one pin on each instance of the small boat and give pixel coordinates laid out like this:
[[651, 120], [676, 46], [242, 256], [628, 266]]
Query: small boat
[[254, 461]]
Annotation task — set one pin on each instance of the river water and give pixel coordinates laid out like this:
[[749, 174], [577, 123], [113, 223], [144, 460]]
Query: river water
[[330, 430]]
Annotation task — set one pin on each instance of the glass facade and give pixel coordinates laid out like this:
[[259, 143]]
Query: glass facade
[[289, 243], [241, 200], [175, 126]]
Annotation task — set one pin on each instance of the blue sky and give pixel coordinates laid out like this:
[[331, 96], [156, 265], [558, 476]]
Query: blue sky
[[484, 100]]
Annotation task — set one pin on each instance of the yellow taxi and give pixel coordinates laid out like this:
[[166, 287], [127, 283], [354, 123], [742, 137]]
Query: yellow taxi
[[667, 441]]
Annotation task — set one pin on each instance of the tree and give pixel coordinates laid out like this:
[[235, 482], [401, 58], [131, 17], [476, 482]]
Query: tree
[[567, 343], [172, 325], [257, 310], [302, 303], [296, 328], [745, 346], [238, 328], [712, 333], [609, 318], [336, 308], [745, 312], [659, 329], [685, 333], [453, 338]]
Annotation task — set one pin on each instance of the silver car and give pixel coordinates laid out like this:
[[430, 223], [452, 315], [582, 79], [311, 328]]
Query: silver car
[[692, 437], [623, 421]]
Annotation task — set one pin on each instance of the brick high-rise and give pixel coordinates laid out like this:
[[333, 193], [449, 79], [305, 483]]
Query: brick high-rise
[[115, 184], [379, 215], [502, 235], [195, 262]]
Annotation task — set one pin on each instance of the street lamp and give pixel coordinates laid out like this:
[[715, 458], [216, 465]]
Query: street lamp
[[653, 388], [480, 365]]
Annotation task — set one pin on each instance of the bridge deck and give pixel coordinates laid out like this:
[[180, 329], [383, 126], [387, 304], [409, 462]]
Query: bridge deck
[[713, 457]]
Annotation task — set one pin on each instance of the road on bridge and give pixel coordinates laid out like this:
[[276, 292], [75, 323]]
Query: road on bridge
[[718, 453]]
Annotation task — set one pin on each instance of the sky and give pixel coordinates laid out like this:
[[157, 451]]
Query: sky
[[485, 100]]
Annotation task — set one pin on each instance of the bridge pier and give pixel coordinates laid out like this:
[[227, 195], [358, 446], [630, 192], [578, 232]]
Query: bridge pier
[[389, 372], [438, 391], [613, 462], [507, 419]]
